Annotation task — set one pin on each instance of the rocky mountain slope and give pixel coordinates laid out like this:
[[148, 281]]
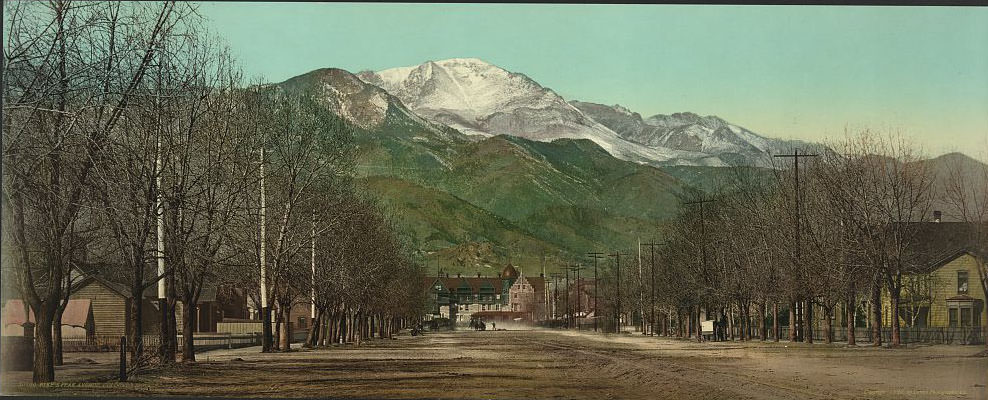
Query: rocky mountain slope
[[715, 140]]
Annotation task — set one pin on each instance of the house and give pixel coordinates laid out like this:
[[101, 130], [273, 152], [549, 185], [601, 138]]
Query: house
[[527, 296], [77, 319], [943, 287], [111, 306], [460, 297]]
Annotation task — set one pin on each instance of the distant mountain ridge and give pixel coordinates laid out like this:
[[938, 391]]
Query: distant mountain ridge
[[482, 99], [478, 163], [710, 136]]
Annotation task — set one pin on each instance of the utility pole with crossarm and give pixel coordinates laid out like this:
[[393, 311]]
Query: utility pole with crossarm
[[596, 256], [651, 245], [807, 313], [617, 257], [703, 254]]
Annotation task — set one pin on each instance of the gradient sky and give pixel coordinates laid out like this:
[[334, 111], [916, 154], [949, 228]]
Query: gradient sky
[[782, 71]]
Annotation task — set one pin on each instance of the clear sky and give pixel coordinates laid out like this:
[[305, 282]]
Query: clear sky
[[782, 71]]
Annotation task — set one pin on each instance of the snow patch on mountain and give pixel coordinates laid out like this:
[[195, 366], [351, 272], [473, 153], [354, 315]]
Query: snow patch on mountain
[[478, 98]]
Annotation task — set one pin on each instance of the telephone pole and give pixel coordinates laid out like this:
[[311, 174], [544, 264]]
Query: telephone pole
[[596, 256], [703, 254], [166, 336], [266, 339], [312, 282], [651, 245], [555, 294], [569, 316], [808, 311], [617, 257], [576, 268]]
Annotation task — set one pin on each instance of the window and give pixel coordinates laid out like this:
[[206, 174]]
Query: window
[[961, 282], [966, 316], [952, 317]]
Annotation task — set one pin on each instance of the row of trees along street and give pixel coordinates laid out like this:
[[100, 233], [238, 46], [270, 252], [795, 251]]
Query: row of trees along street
[[132, 142], [749, 247]]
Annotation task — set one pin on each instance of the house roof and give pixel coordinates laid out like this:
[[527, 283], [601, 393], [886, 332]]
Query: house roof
[[509, 272], [474, 284], [938, 243], [77, 313], [105, 276]]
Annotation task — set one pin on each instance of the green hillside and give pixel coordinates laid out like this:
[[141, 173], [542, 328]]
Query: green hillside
[[485, 202], [476, 204]]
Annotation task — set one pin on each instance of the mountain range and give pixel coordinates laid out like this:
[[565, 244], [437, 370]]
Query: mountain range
[[484, 166]]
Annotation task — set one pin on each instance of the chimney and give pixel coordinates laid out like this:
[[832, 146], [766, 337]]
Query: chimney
[[936, 215]]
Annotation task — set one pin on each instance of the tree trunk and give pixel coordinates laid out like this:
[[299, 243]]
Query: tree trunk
[[136, 339], [266, 336], [313, 336], [171, 301], [851, 312], [762, 311], [56, 337], [44, 361], [776, 329], [876, 314], [828, 325], [808, 321], [327, 328], [285, 335], [165, 353], [689, 323], [276, 343], [188, 331], [699, 326], [894, 296], [730, 324]]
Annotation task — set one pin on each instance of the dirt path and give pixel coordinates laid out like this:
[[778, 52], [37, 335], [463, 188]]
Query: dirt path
[[559, 364]]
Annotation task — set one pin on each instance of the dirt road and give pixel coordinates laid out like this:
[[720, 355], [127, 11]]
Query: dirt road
[[561, 364]]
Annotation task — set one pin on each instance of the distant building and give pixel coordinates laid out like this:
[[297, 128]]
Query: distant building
[[527, 296], [460, 297], [100, 306]]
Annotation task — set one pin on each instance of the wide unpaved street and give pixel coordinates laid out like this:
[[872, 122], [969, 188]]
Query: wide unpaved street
[[553, 364]]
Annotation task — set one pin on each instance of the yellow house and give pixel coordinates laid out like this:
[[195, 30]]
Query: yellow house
[[948, 295], [943, 288]]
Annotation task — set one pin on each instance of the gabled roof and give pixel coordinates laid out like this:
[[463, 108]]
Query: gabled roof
[[938, 243], [93, 272], [509, 272], [77, 313]]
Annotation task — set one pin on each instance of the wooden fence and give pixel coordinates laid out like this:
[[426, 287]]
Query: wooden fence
[[207, 341], [953, 335]]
